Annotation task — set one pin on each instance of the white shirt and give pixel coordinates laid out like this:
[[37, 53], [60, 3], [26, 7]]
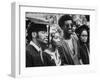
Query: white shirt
[[35, 46], [70, 44], [55, 56]]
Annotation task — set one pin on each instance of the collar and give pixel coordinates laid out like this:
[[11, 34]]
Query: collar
[[35, 46]]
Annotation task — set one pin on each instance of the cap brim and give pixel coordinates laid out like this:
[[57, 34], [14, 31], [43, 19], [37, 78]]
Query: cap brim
[[38, 21]]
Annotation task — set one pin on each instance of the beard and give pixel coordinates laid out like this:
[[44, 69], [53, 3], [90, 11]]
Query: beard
[[39, 39], [42, 44], [69, 31], [42, 41], [67, 34]]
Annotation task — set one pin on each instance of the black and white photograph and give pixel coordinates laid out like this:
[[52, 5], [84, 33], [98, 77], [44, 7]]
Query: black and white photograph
[[56, 39], [53, 40]]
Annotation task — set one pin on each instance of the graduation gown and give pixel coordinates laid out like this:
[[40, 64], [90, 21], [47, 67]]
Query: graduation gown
[[33, 57]]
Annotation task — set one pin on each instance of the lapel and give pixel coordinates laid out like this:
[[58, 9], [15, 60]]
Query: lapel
[[75, 46], [38, 49]]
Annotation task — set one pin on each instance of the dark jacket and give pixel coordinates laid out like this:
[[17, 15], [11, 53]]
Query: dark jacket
[[84, 53], [33, 58]]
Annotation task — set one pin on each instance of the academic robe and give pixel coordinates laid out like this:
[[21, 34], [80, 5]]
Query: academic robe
[[33, 58]]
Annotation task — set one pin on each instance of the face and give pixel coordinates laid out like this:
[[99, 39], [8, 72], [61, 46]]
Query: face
[[77, 20], [56, 36], [84, 36], [68, 26], [42, 37], [73, 28], [53, 30], [51, 19]]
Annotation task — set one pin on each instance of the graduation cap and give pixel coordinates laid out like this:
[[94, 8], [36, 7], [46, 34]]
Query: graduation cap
[[36, 26]]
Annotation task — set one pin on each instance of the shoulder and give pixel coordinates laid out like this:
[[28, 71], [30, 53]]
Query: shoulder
[[47, 52], [30, 49]]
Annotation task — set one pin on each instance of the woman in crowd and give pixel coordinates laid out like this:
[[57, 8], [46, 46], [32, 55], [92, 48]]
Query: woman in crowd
[[83, 34]]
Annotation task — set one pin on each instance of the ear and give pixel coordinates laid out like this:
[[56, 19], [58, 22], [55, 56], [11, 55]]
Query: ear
[[34, 34]]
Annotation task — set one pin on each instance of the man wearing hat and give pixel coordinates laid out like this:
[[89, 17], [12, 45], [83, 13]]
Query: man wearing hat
[[70, 46], [37, 35]]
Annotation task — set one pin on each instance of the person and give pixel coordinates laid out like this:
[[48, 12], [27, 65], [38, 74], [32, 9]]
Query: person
[[70, 45], [37, 34], [28, 22], [83, 34], [53, 51]]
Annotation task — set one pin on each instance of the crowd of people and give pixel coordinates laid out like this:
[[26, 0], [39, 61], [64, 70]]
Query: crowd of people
[[58, 42]]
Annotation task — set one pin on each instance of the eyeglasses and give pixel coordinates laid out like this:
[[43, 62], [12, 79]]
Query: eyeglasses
[[67, 25]]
